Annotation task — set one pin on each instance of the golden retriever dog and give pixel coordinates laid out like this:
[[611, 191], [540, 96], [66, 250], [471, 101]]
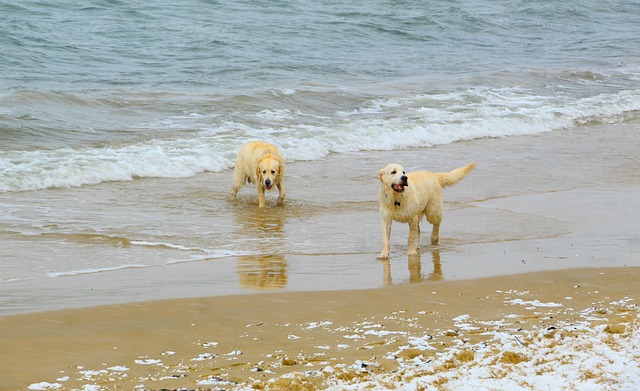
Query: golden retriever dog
[[406, 197], [260, 163]]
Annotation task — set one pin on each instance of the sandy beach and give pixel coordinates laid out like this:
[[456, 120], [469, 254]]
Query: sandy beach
[[125, 265], [539, 261], [227, 342]]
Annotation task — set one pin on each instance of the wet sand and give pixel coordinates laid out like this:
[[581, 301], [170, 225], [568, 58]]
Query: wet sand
[[562, 207], [222, 342]]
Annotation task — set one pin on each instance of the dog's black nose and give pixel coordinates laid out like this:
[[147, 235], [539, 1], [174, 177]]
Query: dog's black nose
[[267, 182], [404, 179]]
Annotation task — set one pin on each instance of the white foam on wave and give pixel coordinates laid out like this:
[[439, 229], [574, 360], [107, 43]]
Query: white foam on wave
[[206, 255], [71, 273], [165, 245], [381, 124], [429, 120], [34, 170]]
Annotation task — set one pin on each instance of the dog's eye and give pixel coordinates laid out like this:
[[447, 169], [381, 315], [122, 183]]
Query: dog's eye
[[273, 171], [264, 171], [393, 172], [404, 172]]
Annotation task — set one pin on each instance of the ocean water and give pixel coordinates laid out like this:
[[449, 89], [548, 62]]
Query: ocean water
[[137, 95], [111, 91]]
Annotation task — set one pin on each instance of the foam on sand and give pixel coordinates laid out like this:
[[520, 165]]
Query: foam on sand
[[572, 329]]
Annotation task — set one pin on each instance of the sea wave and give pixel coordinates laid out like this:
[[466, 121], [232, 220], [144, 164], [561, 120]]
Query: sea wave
[[421, 120]]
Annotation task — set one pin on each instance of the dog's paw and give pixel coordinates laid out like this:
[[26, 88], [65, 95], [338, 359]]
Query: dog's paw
[[413, 251], [384, 255]]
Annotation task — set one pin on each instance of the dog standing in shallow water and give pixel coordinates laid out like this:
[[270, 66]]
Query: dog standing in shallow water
[[260, 163], [406, 197]]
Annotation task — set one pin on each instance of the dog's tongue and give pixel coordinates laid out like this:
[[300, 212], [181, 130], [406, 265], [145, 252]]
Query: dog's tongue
[[398, 187]]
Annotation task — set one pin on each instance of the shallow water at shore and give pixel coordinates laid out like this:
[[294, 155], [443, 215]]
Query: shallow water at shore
[[552, 201]]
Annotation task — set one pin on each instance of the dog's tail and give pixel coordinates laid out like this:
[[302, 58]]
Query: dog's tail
[[452, 177]]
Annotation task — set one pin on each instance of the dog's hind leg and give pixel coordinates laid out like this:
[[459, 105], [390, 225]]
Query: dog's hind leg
[[435, 234], [434, 216], [238, 181], [234, 192]]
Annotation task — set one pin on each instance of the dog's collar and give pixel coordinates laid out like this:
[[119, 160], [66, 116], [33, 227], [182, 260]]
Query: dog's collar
[[395, 202]]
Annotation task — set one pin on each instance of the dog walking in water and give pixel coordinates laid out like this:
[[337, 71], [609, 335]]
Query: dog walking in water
[[406, 197], [260, 163]]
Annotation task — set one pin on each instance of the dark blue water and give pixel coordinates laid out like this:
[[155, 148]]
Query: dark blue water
[[220, 46]]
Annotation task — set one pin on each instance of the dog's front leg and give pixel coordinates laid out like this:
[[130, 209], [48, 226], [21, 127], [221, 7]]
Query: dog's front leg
[[281, 194], [386, 237], [414, 237], [261, 202]]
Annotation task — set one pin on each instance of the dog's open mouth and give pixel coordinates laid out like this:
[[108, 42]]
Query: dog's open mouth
[[268, 187], [397, 187]]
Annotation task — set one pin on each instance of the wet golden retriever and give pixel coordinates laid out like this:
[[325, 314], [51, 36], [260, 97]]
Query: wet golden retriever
[[260, 163], [406, 197]]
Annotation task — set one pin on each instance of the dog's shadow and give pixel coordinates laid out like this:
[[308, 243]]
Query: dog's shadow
[[414, 264]]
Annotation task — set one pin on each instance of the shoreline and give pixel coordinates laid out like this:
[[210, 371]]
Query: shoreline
[[541, 237], [523, 209]]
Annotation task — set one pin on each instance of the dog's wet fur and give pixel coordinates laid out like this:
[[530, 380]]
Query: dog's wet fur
[[260, 163], [406, 197]]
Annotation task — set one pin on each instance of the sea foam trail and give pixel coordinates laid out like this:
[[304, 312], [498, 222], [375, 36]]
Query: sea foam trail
[[380, 124]]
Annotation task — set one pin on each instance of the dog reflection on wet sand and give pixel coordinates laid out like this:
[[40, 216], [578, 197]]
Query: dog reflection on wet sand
[[268, 269], [263, 271], [414, 264]]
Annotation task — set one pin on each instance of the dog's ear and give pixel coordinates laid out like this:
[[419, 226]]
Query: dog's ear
[[380, 174], [258, 176]]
